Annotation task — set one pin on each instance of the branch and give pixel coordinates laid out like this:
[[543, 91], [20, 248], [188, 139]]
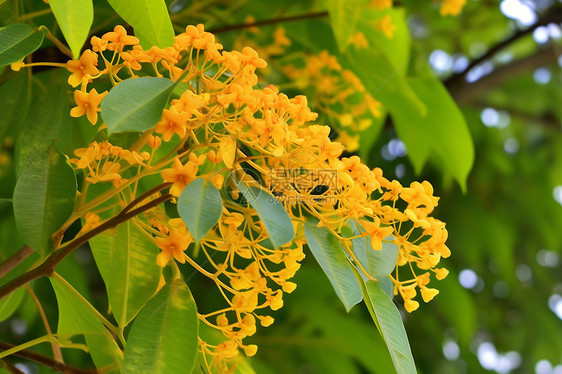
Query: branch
[[269, 22], [555, 15], [14, 260], [464, 92], [47, 268], [46, 360]]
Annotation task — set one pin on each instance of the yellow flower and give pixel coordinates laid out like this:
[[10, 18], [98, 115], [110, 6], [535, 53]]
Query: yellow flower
[[172, 122], [452, 7], [82, 68], [172, 246], [87, 103], [385, 25], [180, 175], [376, 232]]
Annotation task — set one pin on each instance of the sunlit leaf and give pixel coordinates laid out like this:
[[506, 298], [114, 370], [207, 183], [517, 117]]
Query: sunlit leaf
[[76, 318], [442, 129], [330, 254], [17, 41], [164, 336], [343, 18], [150, 20], [44, 197], [200, 207], [75, 18]]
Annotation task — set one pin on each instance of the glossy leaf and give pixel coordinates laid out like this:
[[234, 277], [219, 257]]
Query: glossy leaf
[[75, 18], [126, 259], [44, 197], [379, 263], [272, 213], [343, 18], [136, 104], [330, 254], [442, 130], [76, 318], [200, 207], [150, 20], [17, 41], [388, 320], [10, 303], [164, 336]]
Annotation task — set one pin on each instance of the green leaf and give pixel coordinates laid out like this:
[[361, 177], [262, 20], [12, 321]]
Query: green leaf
[[49, 121], [272, 213], [44, 197], [442, 131], [396, 48], [76, 318], [14, 106], [379, 263], [343, 18], [17, 41], [126, 259], [384, 81], [387, 318], [330, 254], [75, 18], [10, 303], [164, 336], [136, 104], [150, 20], [200, 207]]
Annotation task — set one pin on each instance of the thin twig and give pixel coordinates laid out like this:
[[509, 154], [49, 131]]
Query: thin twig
[[14, 260], [47, 268], [268, 22], [46, 360]]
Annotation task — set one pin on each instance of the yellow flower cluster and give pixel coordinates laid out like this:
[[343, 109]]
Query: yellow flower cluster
[[223, 125], [337, 93]]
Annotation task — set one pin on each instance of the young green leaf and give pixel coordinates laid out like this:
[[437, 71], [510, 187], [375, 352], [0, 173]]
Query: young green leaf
[[388, 320], [136, 104], [330, 254], [200, 207], [17, 41], [164, 336], [150, 20], [77, 318], [126, 259], [272, 213], [450, 139], [75, 18], [43, 197], [343, 18]]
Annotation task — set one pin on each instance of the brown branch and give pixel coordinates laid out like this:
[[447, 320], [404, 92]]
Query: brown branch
[[268, 22], [14, 260], [11, 367], [464, 92], [555, 15], [47, 268], [148, 193], [45, 360]]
